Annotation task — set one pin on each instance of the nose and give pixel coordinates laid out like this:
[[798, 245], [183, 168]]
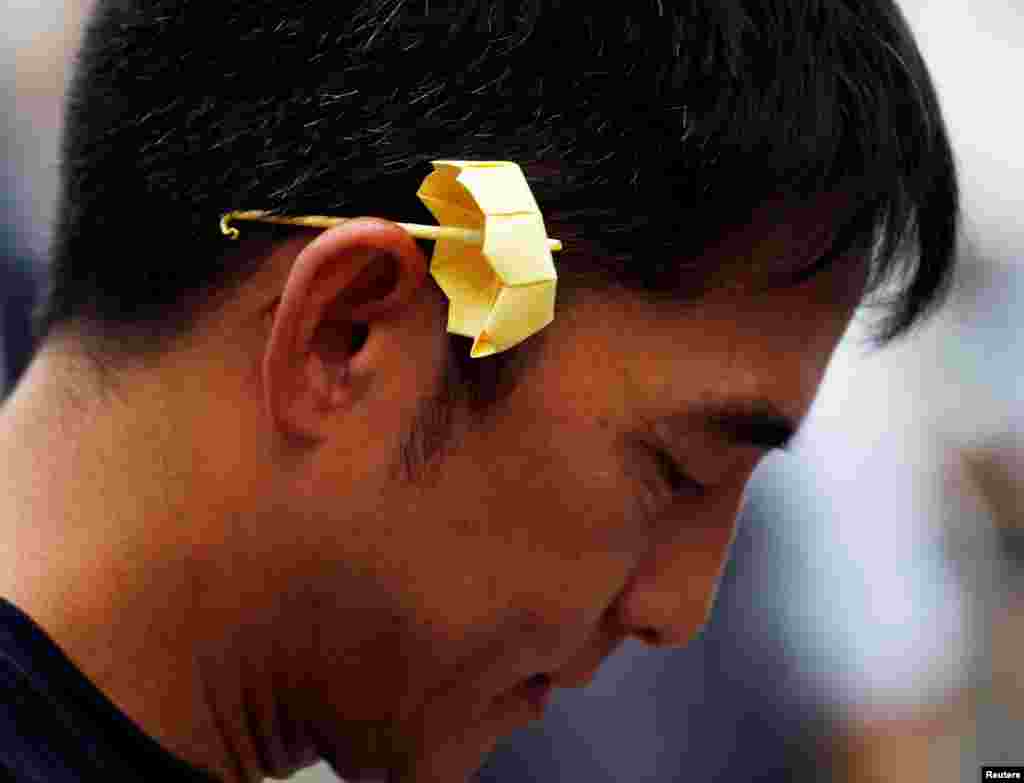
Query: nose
[[669, 596]]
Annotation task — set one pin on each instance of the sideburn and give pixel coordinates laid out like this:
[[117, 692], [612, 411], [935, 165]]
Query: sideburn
[[469, 394]]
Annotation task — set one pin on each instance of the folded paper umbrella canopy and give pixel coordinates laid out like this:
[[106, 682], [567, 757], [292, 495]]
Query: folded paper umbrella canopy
[[492, 256]]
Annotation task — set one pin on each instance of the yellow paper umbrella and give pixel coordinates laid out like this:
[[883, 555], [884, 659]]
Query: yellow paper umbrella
[[492, 256], [503, 290]]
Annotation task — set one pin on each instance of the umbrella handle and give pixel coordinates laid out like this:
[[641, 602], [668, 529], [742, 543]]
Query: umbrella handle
[[472, 236]]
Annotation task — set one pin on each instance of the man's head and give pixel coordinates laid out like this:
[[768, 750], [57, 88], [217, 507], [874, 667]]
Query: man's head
[[411, 532]]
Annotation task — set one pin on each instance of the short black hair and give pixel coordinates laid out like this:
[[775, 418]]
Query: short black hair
[[646, 130]]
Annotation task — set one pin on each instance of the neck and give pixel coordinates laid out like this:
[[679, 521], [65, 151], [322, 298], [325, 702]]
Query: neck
[[95, 494]]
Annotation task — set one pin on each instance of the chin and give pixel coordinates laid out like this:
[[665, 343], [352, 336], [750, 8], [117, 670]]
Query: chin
[[446, 745], [457, 761], [429, 770], [459, 766]]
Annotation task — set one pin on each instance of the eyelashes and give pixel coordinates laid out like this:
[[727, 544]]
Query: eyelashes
[[670, 484], [678, 482]]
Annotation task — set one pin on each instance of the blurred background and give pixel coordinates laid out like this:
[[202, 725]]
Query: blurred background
[[870, 622]]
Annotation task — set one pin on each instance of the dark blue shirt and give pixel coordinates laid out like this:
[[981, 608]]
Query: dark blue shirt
[[56, 726]]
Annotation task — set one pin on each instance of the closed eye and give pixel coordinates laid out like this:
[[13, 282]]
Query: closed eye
[[658, 475], [677, 481]]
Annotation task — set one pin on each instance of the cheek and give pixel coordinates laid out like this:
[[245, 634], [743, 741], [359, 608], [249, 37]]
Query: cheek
[[529, 534], [523, 602], [540, 594]]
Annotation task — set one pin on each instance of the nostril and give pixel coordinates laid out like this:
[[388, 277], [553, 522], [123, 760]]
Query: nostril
[[360, 333], [540, 680], [649, 636]]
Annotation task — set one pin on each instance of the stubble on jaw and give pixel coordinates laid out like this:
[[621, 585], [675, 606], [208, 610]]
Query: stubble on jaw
[[467, 397]]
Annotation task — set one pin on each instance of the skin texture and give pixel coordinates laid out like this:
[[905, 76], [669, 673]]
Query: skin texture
[[226, 546]]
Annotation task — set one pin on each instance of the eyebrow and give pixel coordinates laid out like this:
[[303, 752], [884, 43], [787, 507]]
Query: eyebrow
[[759, 423]]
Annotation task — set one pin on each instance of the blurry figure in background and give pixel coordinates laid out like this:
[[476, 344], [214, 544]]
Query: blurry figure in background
[[912, 627], [976, 717], [914, 624], [17, 289], [36, 40], [19, 264], [994, 473], [17, 286], [18, 294]]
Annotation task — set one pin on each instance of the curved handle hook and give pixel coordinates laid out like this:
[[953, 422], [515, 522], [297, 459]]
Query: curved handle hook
[[226, 229]]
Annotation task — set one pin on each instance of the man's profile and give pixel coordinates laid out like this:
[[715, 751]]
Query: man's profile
[[260, 509]]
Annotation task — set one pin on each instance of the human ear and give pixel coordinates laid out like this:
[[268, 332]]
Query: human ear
[[343, 284]]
